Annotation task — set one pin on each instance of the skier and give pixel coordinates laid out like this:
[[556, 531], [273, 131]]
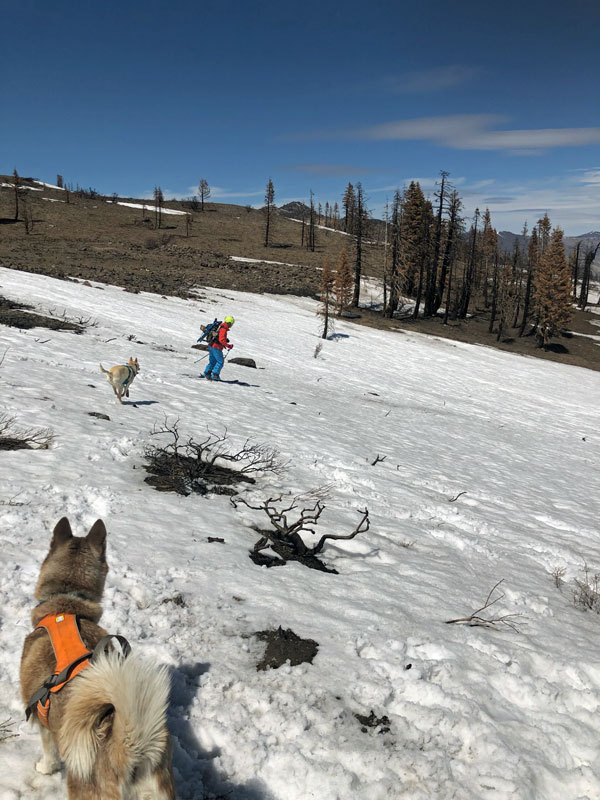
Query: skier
[[215, 351]]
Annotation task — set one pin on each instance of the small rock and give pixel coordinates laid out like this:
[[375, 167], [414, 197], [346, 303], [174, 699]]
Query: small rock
[[98, 415]]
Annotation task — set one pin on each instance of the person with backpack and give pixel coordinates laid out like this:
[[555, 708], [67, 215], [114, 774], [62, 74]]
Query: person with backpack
[[217, 343]]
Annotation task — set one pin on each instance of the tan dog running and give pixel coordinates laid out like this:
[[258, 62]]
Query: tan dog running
[[107, 723], [121, 377]]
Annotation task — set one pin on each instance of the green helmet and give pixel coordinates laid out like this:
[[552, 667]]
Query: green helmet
[[230, 320]]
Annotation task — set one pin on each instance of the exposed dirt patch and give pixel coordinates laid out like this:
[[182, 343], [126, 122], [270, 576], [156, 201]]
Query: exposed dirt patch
[[283, 646], [18, 315]]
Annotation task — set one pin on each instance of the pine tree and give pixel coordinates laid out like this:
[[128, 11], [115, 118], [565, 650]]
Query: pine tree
[[394, 236], [533, 260], [552, 290], [417, 217], [349, 205], [455, 227], [269, 200], [204, 192], [159, 199], [359, 226], [470, 271], [312, 240], [326, 293], [343, 283], [544, 226], [17, 188]]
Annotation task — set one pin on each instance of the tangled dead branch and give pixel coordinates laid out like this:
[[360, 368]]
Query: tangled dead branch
[[284, 537], [7, 730], [187, 466], [476, 618], [13, 438]]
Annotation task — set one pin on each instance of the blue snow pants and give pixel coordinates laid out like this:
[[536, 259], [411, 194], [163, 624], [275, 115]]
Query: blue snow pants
[[215, 362]]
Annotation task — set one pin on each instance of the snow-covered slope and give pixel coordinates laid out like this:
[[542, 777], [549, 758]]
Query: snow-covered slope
[[490, 472]]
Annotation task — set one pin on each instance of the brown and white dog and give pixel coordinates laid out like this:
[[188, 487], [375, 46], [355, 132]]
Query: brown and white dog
[[121, 377], [108, 723]]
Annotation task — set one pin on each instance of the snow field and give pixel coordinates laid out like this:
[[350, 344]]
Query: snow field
[[474, 713]]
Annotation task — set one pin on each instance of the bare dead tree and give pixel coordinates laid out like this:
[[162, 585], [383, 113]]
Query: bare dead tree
[[476, 618], [204, 190]]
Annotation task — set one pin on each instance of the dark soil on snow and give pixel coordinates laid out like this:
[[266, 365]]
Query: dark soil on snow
[[283, 646]]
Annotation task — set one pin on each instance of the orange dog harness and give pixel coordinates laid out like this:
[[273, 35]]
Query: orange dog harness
[[71, 657]]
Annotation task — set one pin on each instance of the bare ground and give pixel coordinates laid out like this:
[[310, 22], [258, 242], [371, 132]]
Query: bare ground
[[92, 239]]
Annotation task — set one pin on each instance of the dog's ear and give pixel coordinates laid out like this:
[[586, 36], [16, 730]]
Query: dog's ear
[[97, 536], [62, 533]]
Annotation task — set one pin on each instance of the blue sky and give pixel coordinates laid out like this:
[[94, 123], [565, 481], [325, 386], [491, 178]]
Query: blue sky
[[123, 96]]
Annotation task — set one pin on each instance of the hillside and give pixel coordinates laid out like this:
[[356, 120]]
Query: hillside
[[97, 239], [491, 481]]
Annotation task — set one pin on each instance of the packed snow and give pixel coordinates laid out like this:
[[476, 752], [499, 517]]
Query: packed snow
[[475, 465], [148, 208]]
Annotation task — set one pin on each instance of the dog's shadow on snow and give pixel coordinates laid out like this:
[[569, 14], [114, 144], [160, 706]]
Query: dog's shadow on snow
[[196, 775], [137, 403]]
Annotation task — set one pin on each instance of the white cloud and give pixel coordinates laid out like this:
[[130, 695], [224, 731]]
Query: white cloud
[[571, 200], [475, 132], [431, 80]]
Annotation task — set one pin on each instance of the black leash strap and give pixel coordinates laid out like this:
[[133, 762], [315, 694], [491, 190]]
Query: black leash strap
[[104, 643]]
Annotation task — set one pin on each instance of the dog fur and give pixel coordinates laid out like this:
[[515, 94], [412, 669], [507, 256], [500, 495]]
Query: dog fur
[[108, 724], [119, 375]]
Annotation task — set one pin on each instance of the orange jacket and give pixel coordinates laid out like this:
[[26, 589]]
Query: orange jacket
[[222, 340]]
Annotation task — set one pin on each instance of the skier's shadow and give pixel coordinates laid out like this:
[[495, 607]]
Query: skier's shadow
[[194, 768]]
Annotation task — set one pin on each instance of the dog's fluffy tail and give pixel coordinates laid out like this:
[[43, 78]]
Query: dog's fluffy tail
[[104, 370], [116, 715]]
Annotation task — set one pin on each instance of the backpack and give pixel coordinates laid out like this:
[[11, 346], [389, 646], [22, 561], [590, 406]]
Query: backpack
[[210, 333]]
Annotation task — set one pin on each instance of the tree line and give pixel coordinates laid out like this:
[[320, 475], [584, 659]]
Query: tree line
[[437, 265]]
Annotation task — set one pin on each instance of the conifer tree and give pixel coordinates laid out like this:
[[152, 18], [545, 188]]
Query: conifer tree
[[588, 260], [574, 263], [489, 243], [544, 227], [17, 188], [533, 259], [269, 200], [349, 205], [470, 271], [327, 296], [394, 236], [359, 226], [520, 273], [204, 192], [552, 290], [343, 283], [455, 227], [417, 216], [159, 199], [432, 264]]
